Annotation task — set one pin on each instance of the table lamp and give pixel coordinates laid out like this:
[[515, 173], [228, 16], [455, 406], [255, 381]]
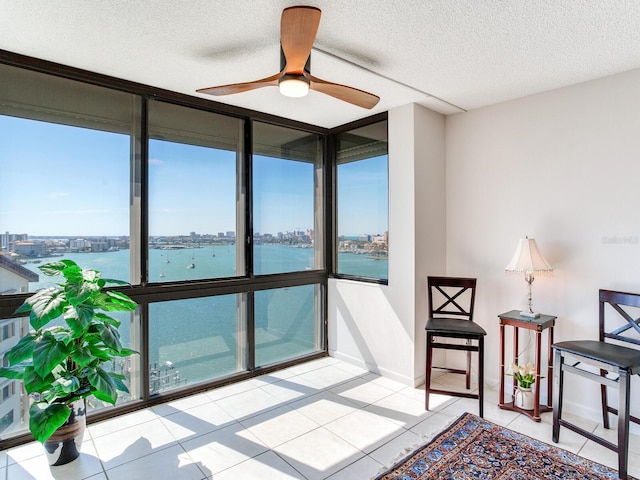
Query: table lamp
[[529, 260]]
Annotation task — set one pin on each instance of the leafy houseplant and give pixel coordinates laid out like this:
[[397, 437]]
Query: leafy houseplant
[[60, 361]]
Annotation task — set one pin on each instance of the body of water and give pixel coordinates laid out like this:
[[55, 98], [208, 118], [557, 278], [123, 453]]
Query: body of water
[[212, 261], [195, 340]]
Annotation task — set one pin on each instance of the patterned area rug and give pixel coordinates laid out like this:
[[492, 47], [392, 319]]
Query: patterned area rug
[[476, 448]]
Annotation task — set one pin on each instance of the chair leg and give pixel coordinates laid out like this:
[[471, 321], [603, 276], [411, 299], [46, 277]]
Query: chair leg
[[558, 381], [623, 423], [468, 376], [481, 376], [605, 404], [427, 385]]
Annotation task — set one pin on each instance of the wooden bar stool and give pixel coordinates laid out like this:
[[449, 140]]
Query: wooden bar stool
[[608, 358], [451, 302]]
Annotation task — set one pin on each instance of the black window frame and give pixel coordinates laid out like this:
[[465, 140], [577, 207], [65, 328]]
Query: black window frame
[[332, 202], [147, 292]]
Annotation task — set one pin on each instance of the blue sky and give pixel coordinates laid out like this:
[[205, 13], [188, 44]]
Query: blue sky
[[191, 189], [363, 203], [58, 180], [70, 181]]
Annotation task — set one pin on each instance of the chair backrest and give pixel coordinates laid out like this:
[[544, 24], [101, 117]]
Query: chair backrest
[[627, 305], [452, 296]]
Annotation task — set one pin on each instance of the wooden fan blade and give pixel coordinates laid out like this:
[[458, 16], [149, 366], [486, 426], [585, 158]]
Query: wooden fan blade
[[342, 92], [271, 81], [298, 28]]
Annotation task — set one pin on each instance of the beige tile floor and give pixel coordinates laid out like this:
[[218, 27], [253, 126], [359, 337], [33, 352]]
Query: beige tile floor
[[321, 420]]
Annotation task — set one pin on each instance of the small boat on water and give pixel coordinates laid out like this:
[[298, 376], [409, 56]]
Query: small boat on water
[[191, 265], [161, 275]]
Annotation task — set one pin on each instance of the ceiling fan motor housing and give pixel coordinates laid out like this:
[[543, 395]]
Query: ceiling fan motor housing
[[283, 61]]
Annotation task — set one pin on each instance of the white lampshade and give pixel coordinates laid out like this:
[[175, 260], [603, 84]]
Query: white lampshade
[[293, 85], [528, 258]]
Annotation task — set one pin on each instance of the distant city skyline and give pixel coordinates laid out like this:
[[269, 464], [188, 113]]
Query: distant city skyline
[[46, 193]]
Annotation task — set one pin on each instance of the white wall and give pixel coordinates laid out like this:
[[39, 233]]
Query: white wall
[[429, 184], [562, 167], [380, 327]]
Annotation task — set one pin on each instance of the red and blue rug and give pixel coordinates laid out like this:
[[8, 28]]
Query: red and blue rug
[[476, 448]]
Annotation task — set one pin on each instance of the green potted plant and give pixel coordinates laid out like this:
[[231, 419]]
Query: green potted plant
[[61, 360]]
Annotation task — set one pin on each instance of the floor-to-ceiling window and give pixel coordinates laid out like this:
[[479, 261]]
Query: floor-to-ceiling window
[[288, 228], [216, 217], [216, 220], [68, 151], [196, 213]]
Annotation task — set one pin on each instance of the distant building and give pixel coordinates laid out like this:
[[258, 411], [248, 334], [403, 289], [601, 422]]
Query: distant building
[[10, 404], [12, 410], [231, 235], [14, 278], [78, 244], [8, 239], [29, 248], [380, 239], [99, 246]]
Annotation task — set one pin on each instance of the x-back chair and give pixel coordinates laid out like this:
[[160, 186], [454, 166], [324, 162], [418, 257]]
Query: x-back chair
[[451, 304], [615, 354]]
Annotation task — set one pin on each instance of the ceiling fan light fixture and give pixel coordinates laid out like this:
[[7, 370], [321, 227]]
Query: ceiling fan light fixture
[[293, 85], [298, 28]]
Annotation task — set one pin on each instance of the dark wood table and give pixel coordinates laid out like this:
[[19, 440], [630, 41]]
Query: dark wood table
[[538, 324]]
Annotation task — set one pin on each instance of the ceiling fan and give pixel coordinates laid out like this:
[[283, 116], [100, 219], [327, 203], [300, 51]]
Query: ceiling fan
[[298, 28]]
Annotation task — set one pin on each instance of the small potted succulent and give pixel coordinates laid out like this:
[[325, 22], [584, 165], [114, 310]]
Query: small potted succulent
[[61, 360]]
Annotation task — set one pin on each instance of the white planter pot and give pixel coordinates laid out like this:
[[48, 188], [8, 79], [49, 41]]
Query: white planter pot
[[64, 445], [523, 398]]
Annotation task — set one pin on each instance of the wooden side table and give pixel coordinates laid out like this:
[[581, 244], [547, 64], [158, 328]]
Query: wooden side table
[[538, 324]]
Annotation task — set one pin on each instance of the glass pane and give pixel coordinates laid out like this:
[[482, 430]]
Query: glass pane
[[363, 202], [66, 169], [195, 340], [287, 202], [194, 171], [287, 323], [78, 210]]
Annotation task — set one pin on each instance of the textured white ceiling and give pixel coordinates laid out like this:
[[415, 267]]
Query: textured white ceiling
[[449, 55]]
